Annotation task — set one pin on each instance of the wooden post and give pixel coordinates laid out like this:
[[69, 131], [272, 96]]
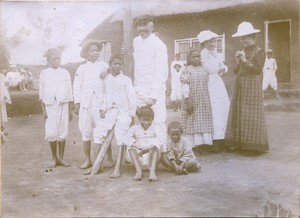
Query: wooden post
[[128, 35]]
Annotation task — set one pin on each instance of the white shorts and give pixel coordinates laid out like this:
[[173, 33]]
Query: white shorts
[[56, 126], [113, 118]]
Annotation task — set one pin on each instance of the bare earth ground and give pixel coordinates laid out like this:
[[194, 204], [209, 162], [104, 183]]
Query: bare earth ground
[[228, 185]]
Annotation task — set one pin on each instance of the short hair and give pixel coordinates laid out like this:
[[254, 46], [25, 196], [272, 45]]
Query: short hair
[[113, 57], [145, 111], [174, 125], [52, 51], [189, 54]]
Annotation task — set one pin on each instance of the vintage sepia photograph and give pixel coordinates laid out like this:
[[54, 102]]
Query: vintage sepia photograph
[[173, 108]]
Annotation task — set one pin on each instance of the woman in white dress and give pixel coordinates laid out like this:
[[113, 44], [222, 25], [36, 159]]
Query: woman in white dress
[[217, 91]]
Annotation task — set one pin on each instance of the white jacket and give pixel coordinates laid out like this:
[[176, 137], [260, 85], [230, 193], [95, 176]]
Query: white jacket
[[87, 81], [55, 85], [150, 67]]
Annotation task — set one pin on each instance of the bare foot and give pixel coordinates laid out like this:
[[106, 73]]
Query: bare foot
[[64, 163], [152, 177], [115, 174], [108, 164], [138, 176], [54, 163], [86, 164], [88, 172]]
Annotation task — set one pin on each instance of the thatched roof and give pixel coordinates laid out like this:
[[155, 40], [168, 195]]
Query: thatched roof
[[161, 8]]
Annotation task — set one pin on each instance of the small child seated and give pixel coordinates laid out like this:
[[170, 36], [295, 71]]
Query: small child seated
[[179, 155], [143, 144]]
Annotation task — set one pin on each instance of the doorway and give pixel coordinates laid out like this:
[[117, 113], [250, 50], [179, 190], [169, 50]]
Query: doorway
[[278, 39]]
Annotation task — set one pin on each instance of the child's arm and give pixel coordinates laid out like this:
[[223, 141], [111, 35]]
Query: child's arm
[[44, 112], [131, 98], [77, 88]]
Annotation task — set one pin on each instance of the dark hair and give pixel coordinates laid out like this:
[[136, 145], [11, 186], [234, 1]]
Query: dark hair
[[113, 57], [145, 112], [188, 59], [174, 125]]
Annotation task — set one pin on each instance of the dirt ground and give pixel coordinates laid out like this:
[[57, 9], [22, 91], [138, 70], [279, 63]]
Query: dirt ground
[[228, 185]]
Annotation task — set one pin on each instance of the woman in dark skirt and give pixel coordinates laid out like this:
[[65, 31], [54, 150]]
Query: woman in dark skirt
[[246, 129]]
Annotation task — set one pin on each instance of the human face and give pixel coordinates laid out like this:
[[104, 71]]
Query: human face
[[145, 29], [247, 40], [115, 67], [210, 44], [175, 134], [54, 60], [93, 53], [195, 58], [146, 122]]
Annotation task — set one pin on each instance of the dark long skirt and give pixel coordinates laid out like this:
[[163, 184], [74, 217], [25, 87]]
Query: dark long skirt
[[246, 128]]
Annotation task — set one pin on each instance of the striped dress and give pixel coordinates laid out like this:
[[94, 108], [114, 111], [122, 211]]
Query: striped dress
[[198, 127], [246, 127]]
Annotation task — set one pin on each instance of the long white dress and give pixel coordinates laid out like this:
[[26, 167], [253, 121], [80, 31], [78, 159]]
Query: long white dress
[[217, 92]]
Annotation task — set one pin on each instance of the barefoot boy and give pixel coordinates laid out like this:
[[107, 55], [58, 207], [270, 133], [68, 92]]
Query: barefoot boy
[[55, 92], [88, 96], [143, 144], [118, 110], [179, 155]]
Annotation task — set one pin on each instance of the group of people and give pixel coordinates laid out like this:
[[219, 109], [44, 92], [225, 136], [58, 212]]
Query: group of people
[[107, 101], [21, 79]]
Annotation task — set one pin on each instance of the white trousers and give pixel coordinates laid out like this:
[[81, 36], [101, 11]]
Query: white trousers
[[269, 78], [57, 122], [89, 118]]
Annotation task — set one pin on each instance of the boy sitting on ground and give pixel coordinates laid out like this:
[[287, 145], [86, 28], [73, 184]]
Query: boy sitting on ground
[[179, 155], [143, 144]]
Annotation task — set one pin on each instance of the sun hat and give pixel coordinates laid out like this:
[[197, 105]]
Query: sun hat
[[87, 44], [244, 29], [143, 19], [206, 35]]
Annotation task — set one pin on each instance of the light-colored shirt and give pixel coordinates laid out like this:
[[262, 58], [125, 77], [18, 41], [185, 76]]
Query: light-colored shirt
[[141, 138], [150, 67], [119, 93], [182, 150], [87, 81], [55, 85], [212, 62], [270, 64]]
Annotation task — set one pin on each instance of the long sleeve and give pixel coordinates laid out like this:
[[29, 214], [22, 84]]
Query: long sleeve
[[161, 70], [187, 151], [131, 98], [77, 86], [275, 66], [255, 65], [69, 87], [41, 86]]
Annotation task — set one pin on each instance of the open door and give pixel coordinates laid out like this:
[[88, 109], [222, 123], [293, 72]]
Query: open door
[[278, 39]]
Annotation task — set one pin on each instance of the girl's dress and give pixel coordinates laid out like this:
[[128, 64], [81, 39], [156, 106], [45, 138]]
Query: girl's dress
[[217, 92], [197, 127], [246, 127]]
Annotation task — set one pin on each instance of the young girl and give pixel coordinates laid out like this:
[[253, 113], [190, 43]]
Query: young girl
[[55, 92], [196, 108]]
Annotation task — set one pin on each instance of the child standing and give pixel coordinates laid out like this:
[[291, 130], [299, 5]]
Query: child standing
[[269, 73], [179, 155], [196, 108], [88, 96], [118, 110], [176, 69], [55, 92], [143, 144]]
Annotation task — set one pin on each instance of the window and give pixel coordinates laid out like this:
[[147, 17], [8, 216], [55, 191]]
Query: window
[[184, 45]]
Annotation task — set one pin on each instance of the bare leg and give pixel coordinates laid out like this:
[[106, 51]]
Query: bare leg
[[109, 162], [61, 150], [138, 170], [55, 160], [87, 150], [154, 159], [277, 95], [165, 162], [117, 170]]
